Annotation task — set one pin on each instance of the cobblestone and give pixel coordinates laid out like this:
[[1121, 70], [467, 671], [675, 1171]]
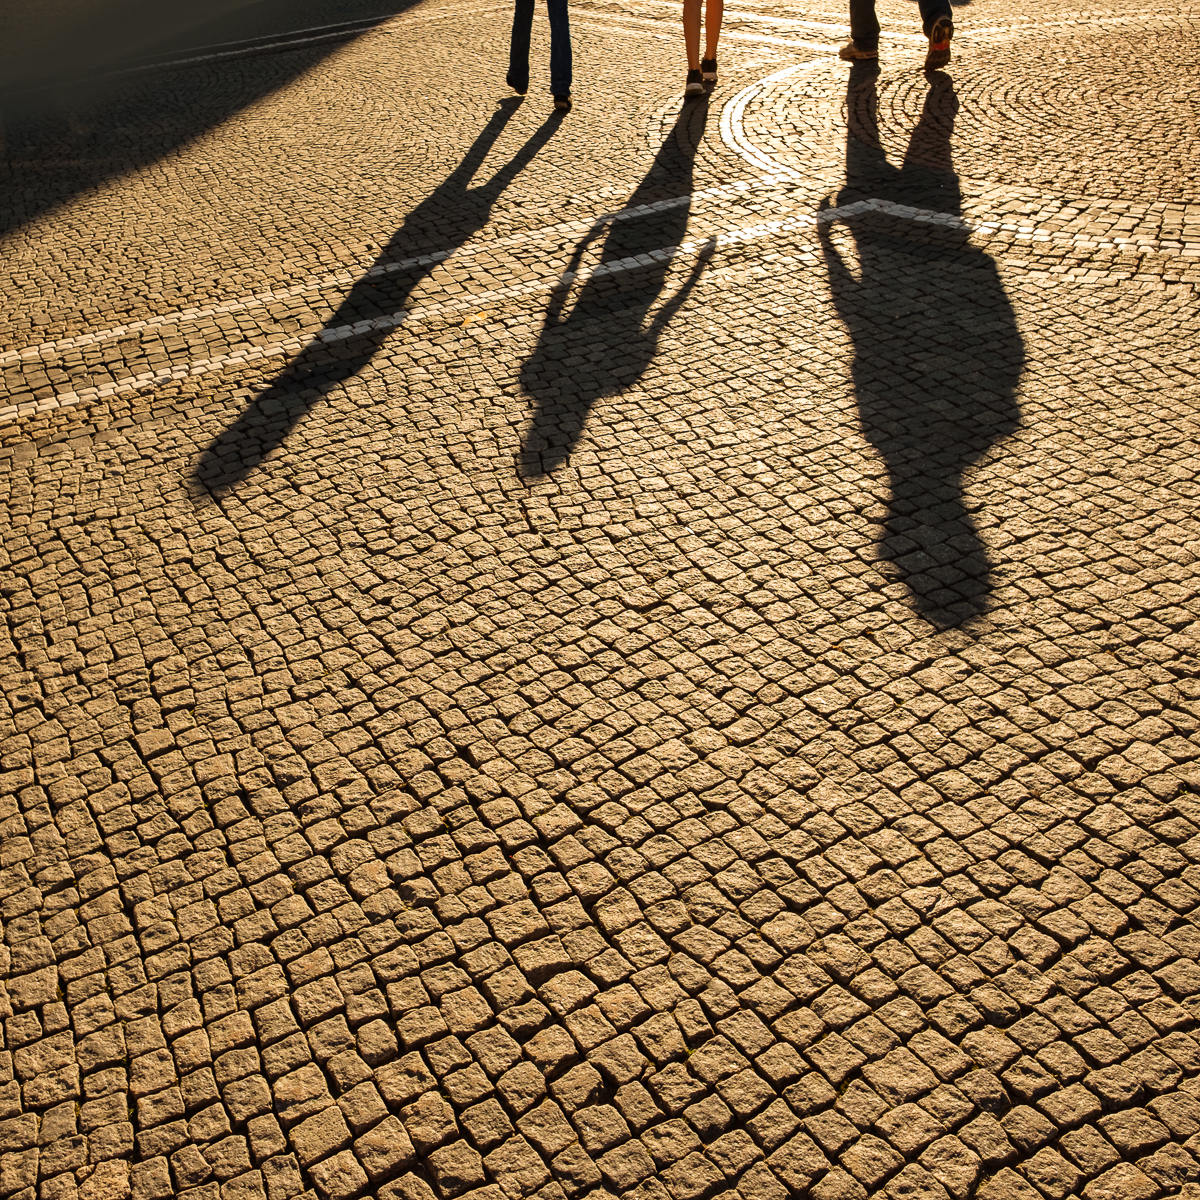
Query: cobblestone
[[645, 654]]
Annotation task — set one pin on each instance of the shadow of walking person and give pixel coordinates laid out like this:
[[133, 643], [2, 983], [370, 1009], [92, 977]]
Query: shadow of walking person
[[937, 354], [604, 345], [442, 222]]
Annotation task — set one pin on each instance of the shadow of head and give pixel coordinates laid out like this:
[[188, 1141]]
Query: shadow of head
[[371, 311], [604, 345], [937, 355]]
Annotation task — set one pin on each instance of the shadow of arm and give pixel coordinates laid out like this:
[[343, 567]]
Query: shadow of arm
[[840, 275], [672, 306]]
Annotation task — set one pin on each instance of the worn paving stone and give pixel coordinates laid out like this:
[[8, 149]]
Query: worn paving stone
[[720, 724]]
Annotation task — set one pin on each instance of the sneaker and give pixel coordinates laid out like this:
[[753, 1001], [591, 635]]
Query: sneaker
[[708, 70], [562, 104], [695, 84], [853, 52], [521, 91], [939, 43]]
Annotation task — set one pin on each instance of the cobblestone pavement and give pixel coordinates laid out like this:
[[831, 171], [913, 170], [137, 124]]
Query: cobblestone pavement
[[57, 42], [646, 654]]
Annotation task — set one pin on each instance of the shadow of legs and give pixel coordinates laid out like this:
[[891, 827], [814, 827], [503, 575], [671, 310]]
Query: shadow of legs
[[321, 366]]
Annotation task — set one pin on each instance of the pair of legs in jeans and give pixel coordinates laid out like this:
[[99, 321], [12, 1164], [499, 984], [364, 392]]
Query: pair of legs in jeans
[[935, 22], [560, 48]]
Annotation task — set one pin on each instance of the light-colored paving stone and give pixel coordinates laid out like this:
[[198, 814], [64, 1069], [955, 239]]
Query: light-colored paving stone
[[687, 689]]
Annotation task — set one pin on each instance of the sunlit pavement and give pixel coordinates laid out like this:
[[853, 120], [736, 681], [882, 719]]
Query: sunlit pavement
[[646, 653]]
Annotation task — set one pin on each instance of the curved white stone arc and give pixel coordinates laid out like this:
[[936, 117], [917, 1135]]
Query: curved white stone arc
[[734, 135]]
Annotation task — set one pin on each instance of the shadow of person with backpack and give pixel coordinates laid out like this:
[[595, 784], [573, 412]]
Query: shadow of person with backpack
[[937, 352]]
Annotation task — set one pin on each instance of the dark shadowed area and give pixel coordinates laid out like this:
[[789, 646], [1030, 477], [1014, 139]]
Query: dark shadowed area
[[609, 338], [72, 116]]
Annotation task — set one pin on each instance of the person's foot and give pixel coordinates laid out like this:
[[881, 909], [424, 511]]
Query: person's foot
[[520, 89], [708, 70], [562, 104], [939, 43], [853, 52], [695, 84]]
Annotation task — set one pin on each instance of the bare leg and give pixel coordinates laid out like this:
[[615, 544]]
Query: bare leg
[[712, 26], [691, 31]]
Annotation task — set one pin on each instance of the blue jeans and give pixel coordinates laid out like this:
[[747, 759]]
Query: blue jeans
[[560, 47], [864, 25]]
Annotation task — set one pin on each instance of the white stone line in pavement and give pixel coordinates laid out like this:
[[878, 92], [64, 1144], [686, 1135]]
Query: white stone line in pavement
[[281, 39], [1090, 17], [733, 133], [833, 23], [1094, 17], [1021, 231], [388, 25], [379, 324], [294, 39], [750, 15], [842, 30], [49, 351], [168, 64], [597, 21], [295, 345]]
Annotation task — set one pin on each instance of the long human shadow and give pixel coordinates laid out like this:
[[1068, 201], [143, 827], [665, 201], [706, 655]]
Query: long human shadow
[[605, 343], [443, 221], [937, 353]]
